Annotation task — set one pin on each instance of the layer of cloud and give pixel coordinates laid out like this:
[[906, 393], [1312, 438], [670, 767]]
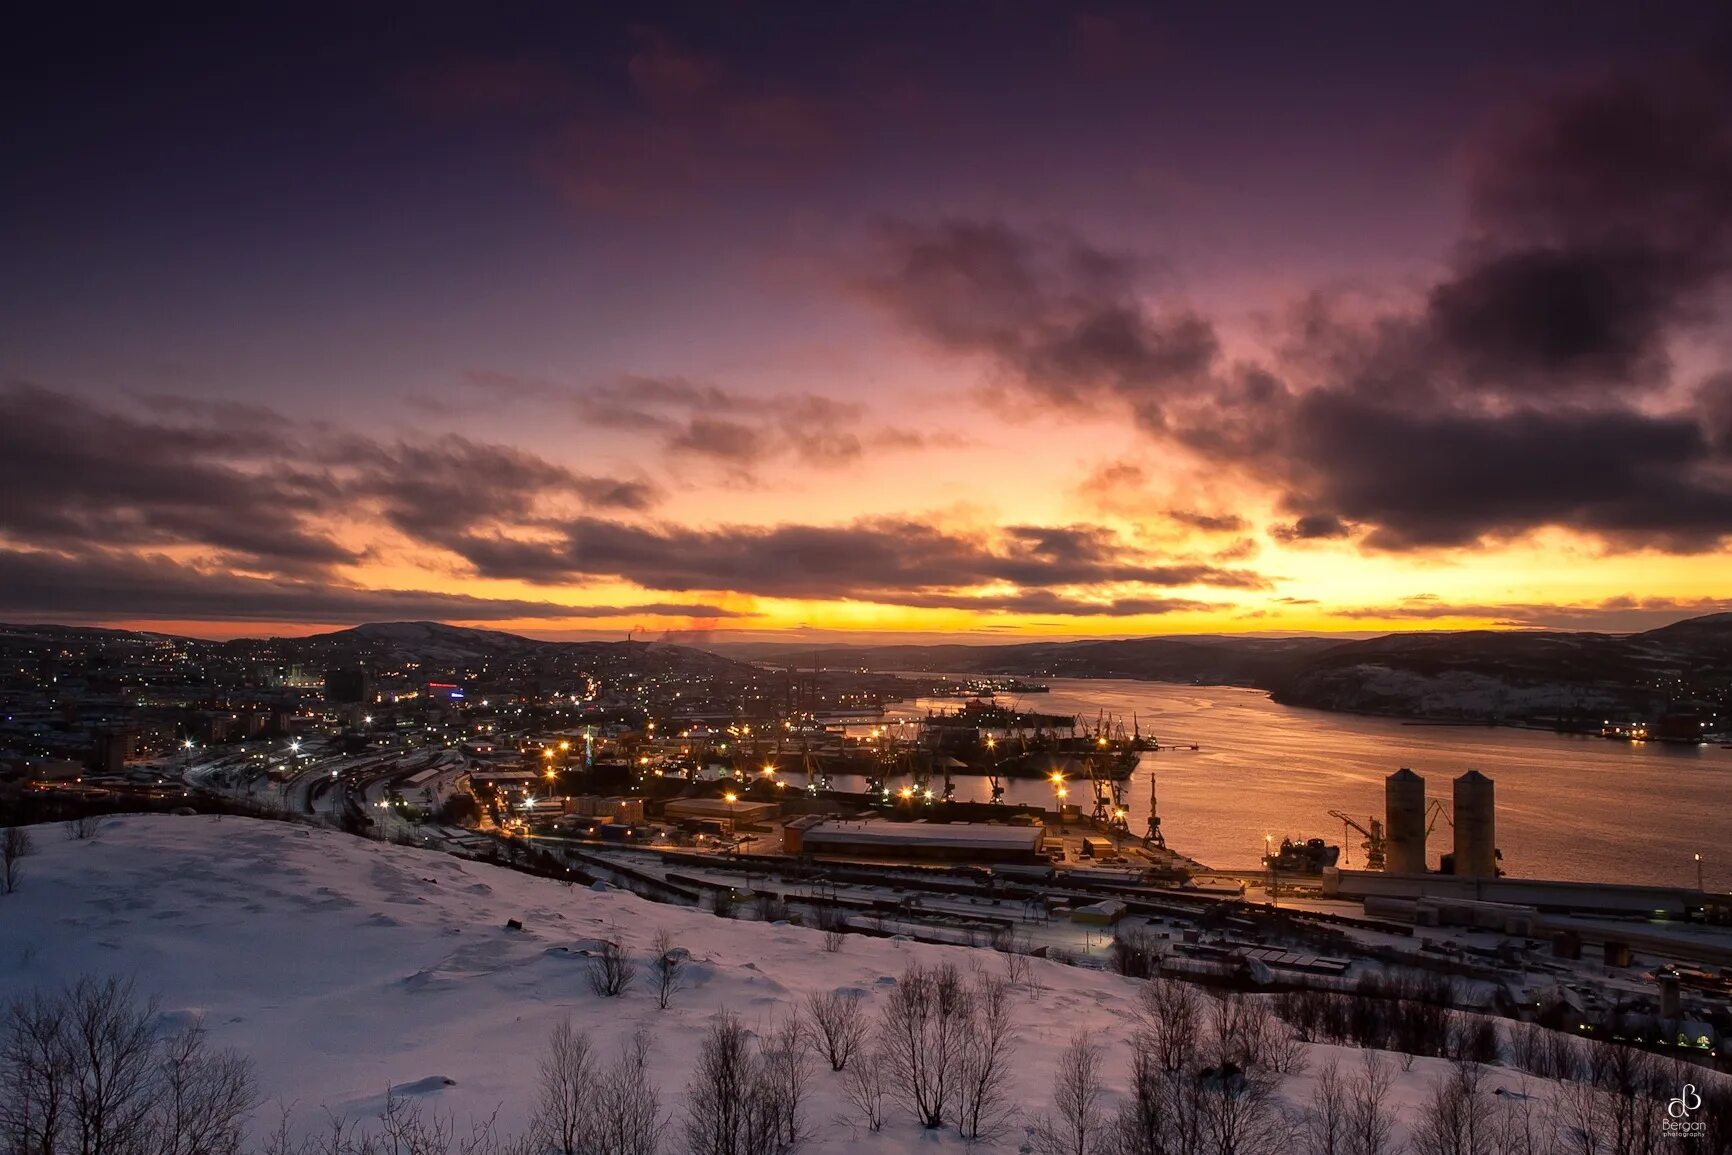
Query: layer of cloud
[[253, 488], [192, 510], [109, 586], [1532, 385], [1622, 614], [701, 422], [893, 561]]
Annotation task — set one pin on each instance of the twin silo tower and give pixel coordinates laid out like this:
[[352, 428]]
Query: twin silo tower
[[1406, 822]]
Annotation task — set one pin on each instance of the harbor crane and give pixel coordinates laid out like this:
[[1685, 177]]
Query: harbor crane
[[1373, 833]]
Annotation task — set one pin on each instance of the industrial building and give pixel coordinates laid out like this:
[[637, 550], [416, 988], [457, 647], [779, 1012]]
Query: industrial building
[[928, 841], [719, 812]]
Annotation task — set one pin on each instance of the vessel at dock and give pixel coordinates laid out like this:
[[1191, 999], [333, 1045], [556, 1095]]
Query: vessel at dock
[[1312, 856]]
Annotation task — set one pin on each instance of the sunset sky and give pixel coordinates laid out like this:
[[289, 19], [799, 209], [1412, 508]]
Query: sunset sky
[[955, 320]]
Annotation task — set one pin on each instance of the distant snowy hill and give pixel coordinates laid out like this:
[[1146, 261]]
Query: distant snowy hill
[[344, 967]]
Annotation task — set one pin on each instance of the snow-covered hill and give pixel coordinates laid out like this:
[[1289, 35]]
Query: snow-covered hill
[[343, 967]]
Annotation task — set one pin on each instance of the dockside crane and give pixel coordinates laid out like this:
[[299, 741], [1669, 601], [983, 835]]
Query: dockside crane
[[1374, 837]]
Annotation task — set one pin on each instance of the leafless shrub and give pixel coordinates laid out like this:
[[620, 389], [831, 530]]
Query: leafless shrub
[[204, 1097], [1163, 1114], [83, 1071], [668, 966], [564, 1120], [833, 940], [15, 846], [1077, 1124], [611, 970], [1326, 1114], [1016, 967], [1522, 1123], [1241, 1111], [785, 1069], [1246, 1032], [1136, 952], [924, 1034], [867, 1089], [984, 1104], [630, 1119], [730, 1107], [1370, 1114], [1456, 1117], [403, 1130], [582, 1109], [1620, 1100], [1472, 1039], [837, 1021], [770, 908], [83, 827], [1169, 1020]]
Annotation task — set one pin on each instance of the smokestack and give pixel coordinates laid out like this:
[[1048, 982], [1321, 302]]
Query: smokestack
[[1404, 815]]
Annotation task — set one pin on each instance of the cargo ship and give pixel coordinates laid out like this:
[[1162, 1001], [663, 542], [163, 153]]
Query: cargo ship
[[1312, 856]]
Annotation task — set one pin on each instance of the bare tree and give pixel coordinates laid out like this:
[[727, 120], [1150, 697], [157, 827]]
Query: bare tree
[[838, 1024], [629, 1115], [867, 1088], [1370, 1115], [564, 1119], [729, 1107], [1456, 1117], [82, 1071], [15, 846], [35, 1075], [1163, 1114], [1326, 1122], [1078, 1125], [1241, 1111], [1016, 967], [204, 1099], [834, 938], [924, 1034], [1170, 1017], [113, 1058], [785, 1067], [669, 968], [1522, 1123], [611, 970], [984, 1104]]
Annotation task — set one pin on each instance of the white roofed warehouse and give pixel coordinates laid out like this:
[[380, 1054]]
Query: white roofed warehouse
[[875, 839]]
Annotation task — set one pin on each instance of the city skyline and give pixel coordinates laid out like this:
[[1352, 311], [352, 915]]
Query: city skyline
[[986, 323]]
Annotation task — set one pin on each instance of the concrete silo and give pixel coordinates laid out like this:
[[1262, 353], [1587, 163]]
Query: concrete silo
[[1404, 816], [1475, 826]]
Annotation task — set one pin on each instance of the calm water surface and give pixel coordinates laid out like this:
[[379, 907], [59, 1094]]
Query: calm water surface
[[1568, 807]]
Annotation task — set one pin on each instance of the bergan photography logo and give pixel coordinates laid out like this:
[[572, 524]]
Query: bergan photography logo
[[1680, 1112]]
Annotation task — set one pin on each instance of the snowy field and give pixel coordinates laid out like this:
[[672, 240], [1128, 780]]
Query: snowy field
[[344, 967]]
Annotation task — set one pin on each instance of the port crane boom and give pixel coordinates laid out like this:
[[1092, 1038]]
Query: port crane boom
[[1374, 837]]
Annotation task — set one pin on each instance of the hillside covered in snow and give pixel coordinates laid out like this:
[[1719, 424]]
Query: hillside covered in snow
[[344, 968]]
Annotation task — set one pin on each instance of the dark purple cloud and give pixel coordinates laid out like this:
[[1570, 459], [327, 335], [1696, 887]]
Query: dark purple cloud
[[100, 585], [878, 559], [1058, 317], [264, 492], [1532, 385]]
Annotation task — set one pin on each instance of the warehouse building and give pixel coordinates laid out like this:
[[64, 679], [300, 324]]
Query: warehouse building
[[876, 839]]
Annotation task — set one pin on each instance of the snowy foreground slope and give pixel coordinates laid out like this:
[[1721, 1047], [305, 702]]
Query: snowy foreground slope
[[343, 966]]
